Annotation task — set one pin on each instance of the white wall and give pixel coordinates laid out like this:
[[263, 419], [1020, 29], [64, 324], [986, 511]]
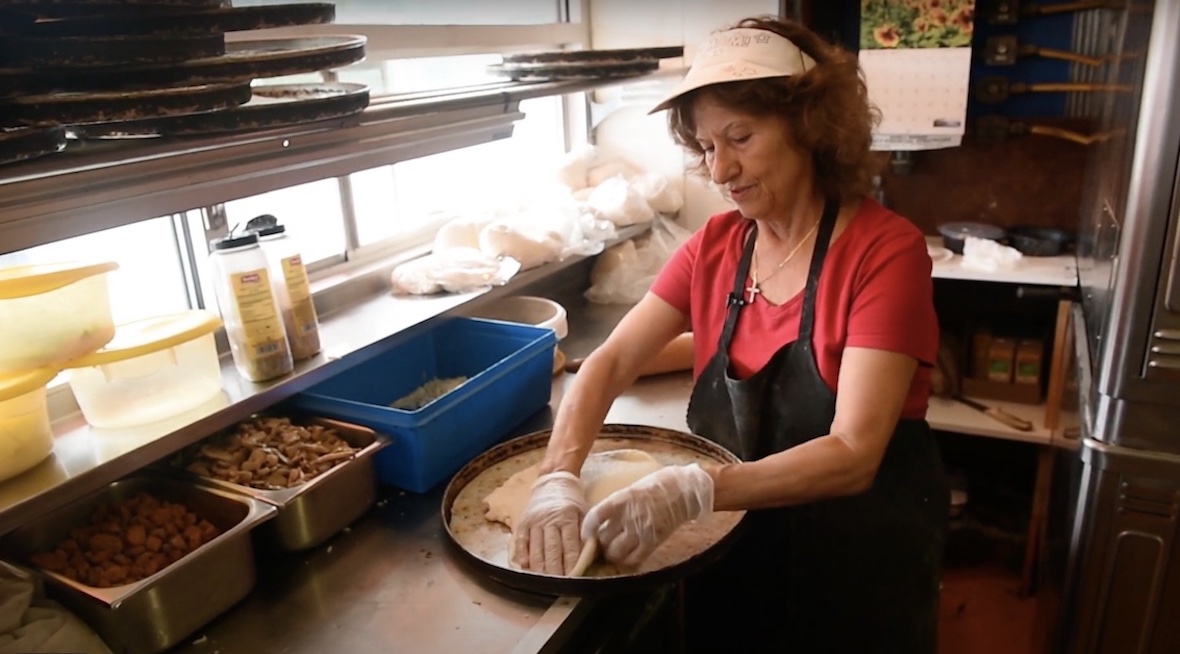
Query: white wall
[[627, 129], [644, 23]]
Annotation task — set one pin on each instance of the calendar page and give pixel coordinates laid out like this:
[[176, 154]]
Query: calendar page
[[916, 58]]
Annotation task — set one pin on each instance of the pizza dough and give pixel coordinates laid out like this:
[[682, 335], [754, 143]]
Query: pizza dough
[[602, 474]]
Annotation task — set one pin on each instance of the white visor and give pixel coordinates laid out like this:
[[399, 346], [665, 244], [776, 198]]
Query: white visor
[[740, 54]]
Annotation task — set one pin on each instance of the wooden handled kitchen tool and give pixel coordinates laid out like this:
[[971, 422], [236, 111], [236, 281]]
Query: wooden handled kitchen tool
[[1005, 50], [1008, 12], [1019, 424], [997, 88], [993, 129]]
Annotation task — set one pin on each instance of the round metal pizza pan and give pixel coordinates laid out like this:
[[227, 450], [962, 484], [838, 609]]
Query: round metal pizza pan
[[53, 109], [117, 50], [482, 550], [29, 143], [243, 61], [609, 56], [196, 20], [270, 107], [577, 70], [70, 8]]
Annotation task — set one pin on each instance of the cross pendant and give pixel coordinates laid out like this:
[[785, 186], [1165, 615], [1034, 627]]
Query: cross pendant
[[753, 290]]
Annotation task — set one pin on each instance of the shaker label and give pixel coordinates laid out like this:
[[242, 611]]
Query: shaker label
[[299, 290], [260, 322]]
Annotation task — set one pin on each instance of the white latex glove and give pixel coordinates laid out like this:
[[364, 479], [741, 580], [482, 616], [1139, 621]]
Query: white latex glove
[[631, 522], [546, 536]]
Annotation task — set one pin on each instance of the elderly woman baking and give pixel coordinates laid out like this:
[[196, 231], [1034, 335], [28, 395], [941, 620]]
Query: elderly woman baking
[[811, 308]]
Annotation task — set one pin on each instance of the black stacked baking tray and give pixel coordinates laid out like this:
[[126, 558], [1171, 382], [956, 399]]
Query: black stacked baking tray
[[550, 65], [136, 68]]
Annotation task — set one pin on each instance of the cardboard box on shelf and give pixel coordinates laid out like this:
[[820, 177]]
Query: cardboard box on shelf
[[1002, 391]]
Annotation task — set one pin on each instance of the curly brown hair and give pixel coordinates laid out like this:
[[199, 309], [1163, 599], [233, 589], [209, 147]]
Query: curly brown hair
[[827, 110]]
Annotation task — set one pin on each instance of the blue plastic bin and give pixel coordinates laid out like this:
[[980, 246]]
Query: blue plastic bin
[[510, 372]]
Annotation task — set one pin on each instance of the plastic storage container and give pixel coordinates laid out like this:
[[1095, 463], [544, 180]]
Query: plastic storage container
[[508, 368], [288, 278], [152, 370], [257, 338], [26, 438], [53, 313]]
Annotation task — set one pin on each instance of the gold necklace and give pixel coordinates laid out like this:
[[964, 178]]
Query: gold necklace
[[755, 287]]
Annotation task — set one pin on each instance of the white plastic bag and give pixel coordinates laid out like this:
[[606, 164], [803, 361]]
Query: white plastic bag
[[625, 272], [574, 169], [616, 200], [664, 194], [30, 622], [517, 237], [455, 270], [461, 232], [988, 256]]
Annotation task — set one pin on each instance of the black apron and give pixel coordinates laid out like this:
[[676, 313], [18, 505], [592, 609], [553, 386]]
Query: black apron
[[853, 575]]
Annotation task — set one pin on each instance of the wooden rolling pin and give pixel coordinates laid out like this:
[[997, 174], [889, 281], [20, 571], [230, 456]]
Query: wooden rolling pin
[[676, 356]]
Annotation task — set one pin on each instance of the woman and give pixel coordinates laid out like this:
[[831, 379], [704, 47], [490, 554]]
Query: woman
[[812, 313]]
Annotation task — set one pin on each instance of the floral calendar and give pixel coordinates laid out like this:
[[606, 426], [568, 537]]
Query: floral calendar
[[916, 57]]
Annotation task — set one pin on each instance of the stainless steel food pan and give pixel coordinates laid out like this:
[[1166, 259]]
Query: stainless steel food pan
[[155, 613], [313, 511]]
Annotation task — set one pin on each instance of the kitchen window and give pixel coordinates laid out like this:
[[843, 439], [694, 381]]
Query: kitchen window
[[312, 214], [416, 196], [150, 280], [417, 75]]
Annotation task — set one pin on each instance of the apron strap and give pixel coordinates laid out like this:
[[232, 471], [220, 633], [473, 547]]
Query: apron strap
[[736, 298], [827, 224]]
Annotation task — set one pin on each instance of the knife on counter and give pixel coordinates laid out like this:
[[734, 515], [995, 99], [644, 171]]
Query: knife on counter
[[996, 413]]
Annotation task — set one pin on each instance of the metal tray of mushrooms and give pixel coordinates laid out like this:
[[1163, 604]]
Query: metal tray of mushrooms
[[319, 472]]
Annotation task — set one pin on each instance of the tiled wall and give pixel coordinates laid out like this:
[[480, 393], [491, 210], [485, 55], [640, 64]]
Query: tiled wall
[[1024, 180]]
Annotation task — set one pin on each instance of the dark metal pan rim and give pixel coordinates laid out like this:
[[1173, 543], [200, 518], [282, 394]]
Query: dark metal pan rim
[[182, 21], [123, 95], [569, 56], [341, 99]]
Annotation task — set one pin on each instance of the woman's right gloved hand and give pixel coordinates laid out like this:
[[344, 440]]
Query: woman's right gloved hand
[[547, 537]]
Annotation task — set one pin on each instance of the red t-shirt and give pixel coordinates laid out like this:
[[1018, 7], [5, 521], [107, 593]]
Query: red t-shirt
[[875, 292]]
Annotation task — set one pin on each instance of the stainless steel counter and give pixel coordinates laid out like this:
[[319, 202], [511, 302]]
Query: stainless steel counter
[[390, 584]]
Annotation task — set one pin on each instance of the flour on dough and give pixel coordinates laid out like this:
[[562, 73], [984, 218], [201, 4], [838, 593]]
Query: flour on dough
[[602, 474]]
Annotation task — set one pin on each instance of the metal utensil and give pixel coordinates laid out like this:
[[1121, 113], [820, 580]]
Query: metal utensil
[[997, 413]]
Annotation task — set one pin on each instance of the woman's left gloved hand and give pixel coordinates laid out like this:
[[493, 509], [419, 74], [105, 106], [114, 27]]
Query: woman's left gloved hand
[[631, 522]]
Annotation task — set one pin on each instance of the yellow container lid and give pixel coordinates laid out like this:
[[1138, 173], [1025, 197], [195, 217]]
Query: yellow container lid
[[150, 335], [15, 384], [35, 279]]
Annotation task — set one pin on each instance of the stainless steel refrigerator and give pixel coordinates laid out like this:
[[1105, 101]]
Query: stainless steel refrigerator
[[1121, 591]]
